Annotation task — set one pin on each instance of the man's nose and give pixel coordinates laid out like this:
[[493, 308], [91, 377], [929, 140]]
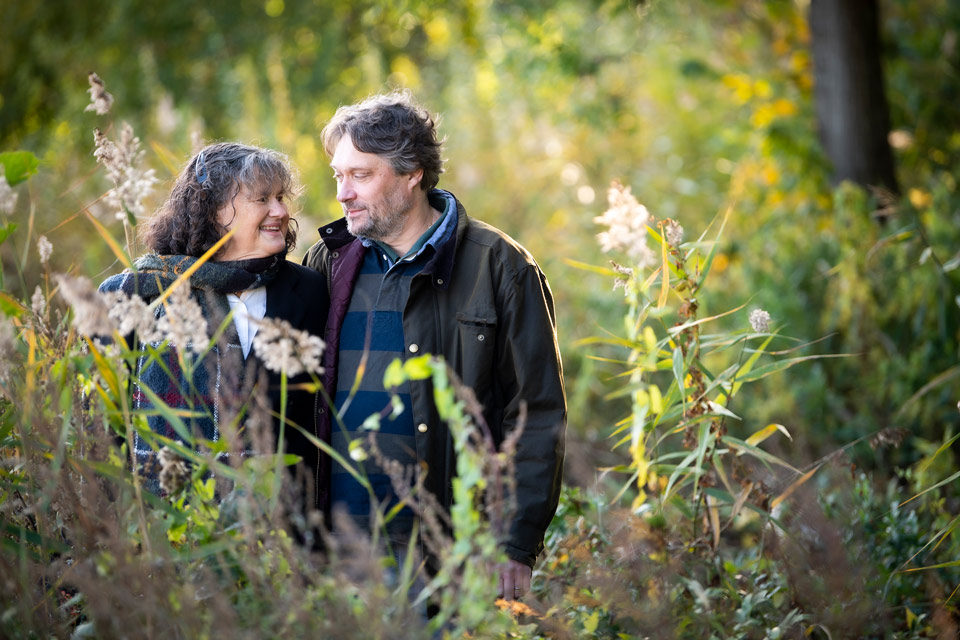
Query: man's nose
[[345, 191]]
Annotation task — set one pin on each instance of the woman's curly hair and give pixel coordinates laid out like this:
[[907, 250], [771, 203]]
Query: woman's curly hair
[[187, 223]]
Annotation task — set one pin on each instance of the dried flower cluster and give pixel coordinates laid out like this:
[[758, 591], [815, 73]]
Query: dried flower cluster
[[8, 197], [38, 303], [284, 349], [626, 221], [183, 323], [91, 315], [174, 471], [674, 233], [760, 321], [100, 100], [122, 162], [624, 274], [132, 313], [44, 249]]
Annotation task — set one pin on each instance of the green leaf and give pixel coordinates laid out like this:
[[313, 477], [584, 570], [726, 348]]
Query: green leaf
[[372, 422], [604, 271], [748, 365], [394, 376], [781, 365], [18, 166], [10, 306], [418, 368], [6, 231], [678, 373]]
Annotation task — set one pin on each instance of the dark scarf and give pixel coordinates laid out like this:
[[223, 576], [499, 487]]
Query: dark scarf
[[154, 273]]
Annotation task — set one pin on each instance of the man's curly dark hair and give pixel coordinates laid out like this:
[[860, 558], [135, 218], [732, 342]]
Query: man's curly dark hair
[[187, 223], [394, 127]]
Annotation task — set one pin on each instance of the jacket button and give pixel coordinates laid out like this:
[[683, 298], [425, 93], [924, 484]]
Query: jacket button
[[414, 348], [335, 254], [480, 337], [422, 428], [439, 280], [329, 230]]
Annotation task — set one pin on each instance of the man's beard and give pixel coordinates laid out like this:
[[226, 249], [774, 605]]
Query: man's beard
[[383, 219]]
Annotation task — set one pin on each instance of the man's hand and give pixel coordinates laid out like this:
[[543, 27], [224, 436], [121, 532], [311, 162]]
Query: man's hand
[[514, 579]]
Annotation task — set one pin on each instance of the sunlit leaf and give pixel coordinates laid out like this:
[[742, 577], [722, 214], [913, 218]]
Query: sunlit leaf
[[762, 434], [18, 166]]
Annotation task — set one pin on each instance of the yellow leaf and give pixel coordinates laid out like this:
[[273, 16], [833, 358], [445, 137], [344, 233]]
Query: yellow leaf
[[766, 432], [656, 400], [793, 487], [117, 251], [911, 618], [590, 624]]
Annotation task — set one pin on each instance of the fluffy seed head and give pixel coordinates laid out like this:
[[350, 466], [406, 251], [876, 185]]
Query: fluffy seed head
[[284, 349], [760, 321], [44, 249], [91, 315], [100, 100], [626, 221]]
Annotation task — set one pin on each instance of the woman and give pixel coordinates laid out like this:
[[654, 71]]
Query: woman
[[226, 187]]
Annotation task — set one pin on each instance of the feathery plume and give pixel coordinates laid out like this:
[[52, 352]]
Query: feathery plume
[[100, 100], [183, 323], [44, 249], [91, 316], [626, 222], [38, 303], [284, 349], [674, 233], [132, 313], [122, 159]]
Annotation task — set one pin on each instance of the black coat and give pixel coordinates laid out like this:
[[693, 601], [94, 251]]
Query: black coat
[[299, 296]]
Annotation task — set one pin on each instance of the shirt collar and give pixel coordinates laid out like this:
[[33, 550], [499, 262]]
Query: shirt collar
[[433, 237]]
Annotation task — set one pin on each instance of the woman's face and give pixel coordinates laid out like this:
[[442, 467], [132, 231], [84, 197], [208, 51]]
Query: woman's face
[[260, 220]]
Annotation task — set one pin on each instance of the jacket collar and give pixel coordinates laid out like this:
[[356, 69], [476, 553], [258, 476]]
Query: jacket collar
[[440, 267]]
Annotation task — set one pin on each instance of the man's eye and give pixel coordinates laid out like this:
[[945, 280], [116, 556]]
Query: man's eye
[[280, 198]]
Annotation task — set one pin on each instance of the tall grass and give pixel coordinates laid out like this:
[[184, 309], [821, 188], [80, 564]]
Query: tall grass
[[691, 532]]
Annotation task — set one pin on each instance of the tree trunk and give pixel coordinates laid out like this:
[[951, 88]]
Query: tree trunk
[[851, 103]]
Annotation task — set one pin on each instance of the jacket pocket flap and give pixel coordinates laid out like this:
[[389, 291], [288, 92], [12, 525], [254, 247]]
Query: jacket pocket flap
[[489, 320]]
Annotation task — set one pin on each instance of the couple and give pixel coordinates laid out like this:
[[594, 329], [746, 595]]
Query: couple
[[404, 273]]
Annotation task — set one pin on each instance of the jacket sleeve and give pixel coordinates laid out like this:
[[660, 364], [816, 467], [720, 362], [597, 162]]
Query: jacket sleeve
[[531, 374], [314, 258]]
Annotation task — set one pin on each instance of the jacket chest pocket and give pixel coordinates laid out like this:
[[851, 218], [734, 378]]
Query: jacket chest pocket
[[478, 340]]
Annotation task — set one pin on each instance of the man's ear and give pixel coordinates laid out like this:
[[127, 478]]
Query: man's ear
[[414, 178]]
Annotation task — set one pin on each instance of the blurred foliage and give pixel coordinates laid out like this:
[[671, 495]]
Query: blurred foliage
[[700, 106], [703, 107]]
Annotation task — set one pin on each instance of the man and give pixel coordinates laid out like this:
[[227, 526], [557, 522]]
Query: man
[[410, 273]]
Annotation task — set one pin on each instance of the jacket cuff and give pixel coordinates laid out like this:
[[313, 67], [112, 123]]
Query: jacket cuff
[[519, 555]]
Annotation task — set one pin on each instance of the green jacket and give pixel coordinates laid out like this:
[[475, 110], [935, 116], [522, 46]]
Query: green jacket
[[483, 304]]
